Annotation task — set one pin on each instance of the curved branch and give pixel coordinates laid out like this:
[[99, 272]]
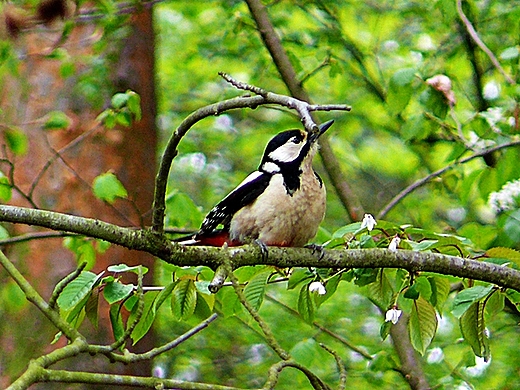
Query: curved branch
[[474, 35], [396, 199], [263, 97]]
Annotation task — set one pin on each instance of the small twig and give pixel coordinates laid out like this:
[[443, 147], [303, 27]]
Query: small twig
[[63, 283], [218, 280], [129, 357], [341, 367], [32, 296], [34, 236], [396, 199], [474, 35], [269, 336]]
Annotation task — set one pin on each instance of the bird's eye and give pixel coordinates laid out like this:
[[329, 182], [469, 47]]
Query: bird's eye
[[296, 140]]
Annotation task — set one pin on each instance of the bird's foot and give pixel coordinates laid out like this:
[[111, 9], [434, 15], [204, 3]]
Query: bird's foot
[[316, 249], [264, 251]]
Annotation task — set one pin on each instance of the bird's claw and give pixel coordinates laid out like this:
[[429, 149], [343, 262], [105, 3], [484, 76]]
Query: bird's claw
[[264, 251], [316, 249]]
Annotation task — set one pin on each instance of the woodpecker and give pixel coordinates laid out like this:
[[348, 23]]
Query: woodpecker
[[280, 204]]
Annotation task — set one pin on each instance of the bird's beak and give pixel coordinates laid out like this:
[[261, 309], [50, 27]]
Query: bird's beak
[[321, 129]]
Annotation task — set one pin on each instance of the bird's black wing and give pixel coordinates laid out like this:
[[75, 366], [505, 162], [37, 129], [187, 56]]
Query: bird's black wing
[[244, 194]]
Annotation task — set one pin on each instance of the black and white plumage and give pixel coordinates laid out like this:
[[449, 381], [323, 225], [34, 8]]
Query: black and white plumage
[[280, 204]]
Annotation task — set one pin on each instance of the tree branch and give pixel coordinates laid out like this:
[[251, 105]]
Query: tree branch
[[160, 246], [408, 190], [263, 97], [474, 35]]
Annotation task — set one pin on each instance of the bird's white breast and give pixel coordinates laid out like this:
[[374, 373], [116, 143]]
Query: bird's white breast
[[277, 218]]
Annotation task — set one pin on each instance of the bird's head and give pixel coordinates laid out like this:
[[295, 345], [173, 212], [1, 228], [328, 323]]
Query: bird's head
[[290, 148]]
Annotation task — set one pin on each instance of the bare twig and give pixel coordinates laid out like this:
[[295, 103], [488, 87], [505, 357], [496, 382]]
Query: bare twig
[[408, 190], [288, 74], [263, 97], [341, 367], [474, 35], [268, 334]]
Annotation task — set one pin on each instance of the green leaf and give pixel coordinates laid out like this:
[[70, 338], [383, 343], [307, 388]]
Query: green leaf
[[184, 212], [473, 327], [306, 304], [16, 140], [440, 288], [91, 307], [164, 294], [400, 89], [107, 187], [468, 297], [6, 190], [184, 299], [348, 229], [297, 276], [127, 268], [147, 318], [512, 226], [57, 120], [330, 286], [119, 100], [115, 291], [305, 352], [381, 291], [134, 104], [422, 324], [77, 290], [116, 320], [255, 289], [229, 303], [412, 292], [505, 253]]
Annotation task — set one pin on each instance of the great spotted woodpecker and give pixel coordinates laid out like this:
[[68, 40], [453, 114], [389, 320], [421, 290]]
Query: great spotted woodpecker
[[280, 204]]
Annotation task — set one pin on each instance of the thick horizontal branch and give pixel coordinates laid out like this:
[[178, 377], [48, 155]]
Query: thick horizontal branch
[[159, 246]]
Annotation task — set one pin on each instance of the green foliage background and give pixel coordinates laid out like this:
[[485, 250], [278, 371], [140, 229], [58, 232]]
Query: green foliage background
[[380, 58], [377, 58]]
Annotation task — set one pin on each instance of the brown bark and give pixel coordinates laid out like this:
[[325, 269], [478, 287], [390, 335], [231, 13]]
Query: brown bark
[[65, 185]]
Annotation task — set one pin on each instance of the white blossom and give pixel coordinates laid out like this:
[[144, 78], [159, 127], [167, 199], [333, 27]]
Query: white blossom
[[368, 222], [318, 287], [508, 198], [394, 244], [491, 90], [393, 315]]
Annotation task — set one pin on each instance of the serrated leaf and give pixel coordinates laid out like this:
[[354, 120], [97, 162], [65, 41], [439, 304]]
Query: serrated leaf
[[422, 324], [202, 308], [56, 120], [107, 187], [381, 291], [384, 330], [440, 290], [147, 318], [505, 253], [298, 275], [115, 291], [164, 294], [467, 297], [306, 305], [255, 289], [473, 328], [184, 299], [77, 290], [229, 303]]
